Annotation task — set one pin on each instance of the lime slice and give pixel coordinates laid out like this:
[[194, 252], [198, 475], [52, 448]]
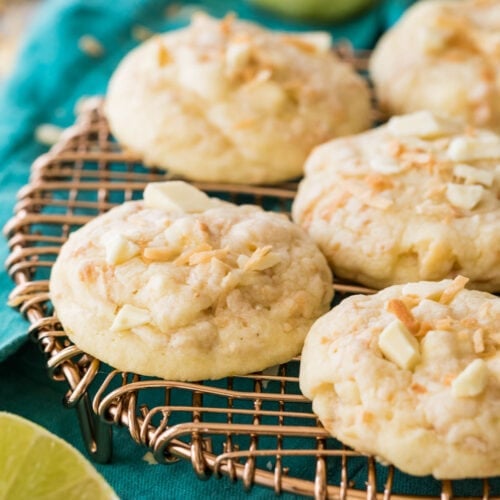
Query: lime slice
[[36, 464], [318, 10]]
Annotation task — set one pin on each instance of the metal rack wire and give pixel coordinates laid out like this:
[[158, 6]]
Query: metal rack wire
[[257, 429]]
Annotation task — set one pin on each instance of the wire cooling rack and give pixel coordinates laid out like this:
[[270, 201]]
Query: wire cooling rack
[[257, 429]]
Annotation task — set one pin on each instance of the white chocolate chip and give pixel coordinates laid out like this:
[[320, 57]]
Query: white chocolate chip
[[119, 249], [177, 234], [429, 310], [473, 175], [438, 346], [464, 196], [434, 39], [423, 124], [129, 316], [471, 381], [399, 345], [242, 260], [320, 40], [348, 392], [205, 79], [177, 196], [237, 56], [474, 148], [266, 96]]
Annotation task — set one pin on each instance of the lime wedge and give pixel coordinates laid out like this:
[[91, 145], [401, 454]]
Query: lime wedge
[[36, 464], [315, 10]]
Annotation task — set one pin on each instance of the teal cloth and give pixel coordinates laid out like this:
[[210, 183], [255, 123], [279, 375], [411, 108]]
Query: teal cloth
[[50, 77]]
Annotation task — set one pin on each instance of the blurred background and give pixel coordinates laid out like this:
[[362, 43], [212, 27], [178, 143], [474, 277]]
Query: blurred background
[[15, 15]]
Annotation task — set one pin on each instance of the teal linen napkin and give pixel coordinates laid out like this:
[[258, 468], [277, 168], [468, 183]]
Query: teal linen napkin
[[51, 76]]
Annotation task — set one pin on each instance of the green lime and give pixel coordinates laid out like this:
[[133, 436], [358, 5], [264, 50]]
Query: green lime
[[318, 10], [36, 464]]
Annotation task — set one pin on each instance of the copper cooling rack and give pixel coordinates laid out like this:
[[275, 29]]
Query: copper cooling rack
[[257, 429]]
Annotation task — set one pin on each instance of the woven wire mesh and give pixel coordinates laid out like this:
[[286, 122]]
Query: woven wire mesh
[[256, 428]]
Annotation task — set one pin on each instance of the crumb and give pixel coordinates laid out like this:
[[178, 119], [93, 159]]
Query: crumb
[[48, 134], [173, 9], [90, 46], [149, 458], [141, 33]]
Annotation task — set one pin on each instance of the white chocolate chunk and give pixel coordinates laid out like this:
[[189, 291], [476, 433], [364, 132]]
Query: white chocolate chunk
[[429, 310], [434, 39], [320, 40], [266, 96], [348, 392], [399, 345], [205, 79], [129, 316], [473, 175], [177, 234], [464, 196], [177, 196], [237, 56], [438, 345], [423, 124], [471, 381], [119, 249], [474, 148]]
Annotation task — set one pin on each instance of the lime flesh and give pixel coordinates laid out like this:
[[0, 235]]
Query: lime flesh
[[36, 464]]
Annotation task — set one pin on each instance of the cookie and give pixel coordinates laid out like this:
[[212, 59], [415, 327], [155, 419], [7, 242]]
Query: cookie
[[415, 199], [186, 287], [229, 101], [443, 56], [411, 375]]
